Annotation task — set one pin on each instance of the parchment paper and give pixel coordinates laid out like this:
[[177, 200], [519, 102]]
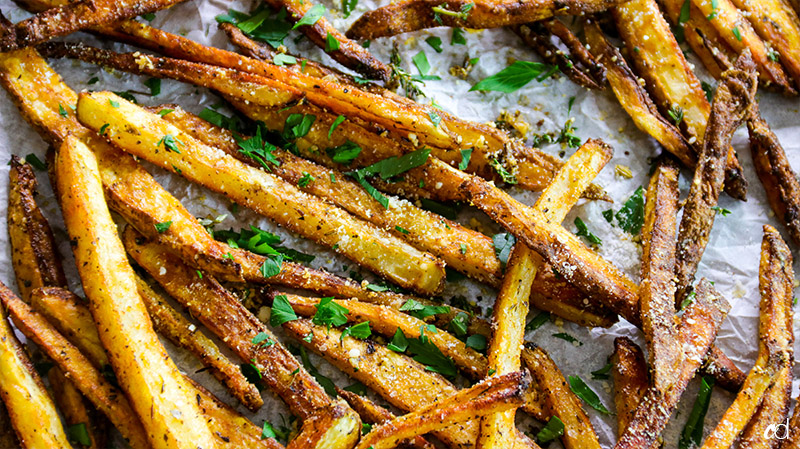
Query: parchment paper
[[731, 259]]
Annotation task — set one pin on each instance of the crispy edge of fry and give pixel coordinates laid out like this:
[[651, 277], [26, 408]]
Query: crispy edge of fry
[[774, 409], [336, 426], [559, 399], [657, 286], [577, 63], [776, 175], [635, 99], [373, 413], [775, 339], [378, 368], [415, 15], [34, 255], [696, 332], [493, 395], [171, 324], [71, 404], [32, 412], [139, 132], [731, 107], [630, 380], [146, 373]]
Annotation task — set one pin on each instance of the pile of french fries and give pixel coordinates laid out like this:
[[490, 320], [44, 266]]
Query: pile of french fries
[[357, 163]]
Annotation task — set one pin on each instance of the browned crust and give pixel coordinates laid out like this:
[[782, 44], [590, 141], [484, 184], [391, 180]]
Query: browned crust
[[72, 406], [630, 380], [34, 255], [731, 107], [696, 333], [774, 410], [415, 15], [576, 62], [776, 175], [657, 287]]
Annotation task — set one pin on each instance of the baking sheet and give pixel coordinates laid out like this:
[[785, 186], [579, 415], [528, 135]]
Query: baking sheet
[[731, 260]]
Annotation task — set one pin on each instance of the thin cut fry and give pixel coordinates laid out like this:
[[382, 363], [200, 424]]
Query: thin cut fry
[[71, 404], [731, 107], [413, 15], [775, 173], [160, 395], [696, 332], [774, 410], [657, 287], [373, 413], [30, 408], [577, 62], [775, 340], [630, 380], [492, 395], [140, 132]]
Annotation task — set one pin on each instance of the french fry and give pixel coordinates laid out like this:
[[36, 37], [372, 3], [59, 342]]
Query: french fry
[[379, 368], [577, 62], [791, 434], [774, 410], [34, 255], [492, 395], [222, 313], [7, 436], [776, 175], [412, 15], [696, 332], [30, 408], [70, 403], [160, 395], [775, 340], [171, 324], [261, 191], [630, 380], [559, 400], [373, 413], [778, 25], [660, 62], [635, 99], [730, 109], [76, 16], [657, 288]]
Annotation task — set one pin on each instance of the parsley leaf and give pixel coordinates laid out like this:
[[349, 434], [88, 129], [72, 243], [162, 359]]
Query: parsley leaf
[[476, 342], [374, 193], [685, 12], [567, 337], [420, 311], [438, 208], [602, 373], [457, 37], [331, 44], [692, 434], [551, 431], [78, 433], [399, 342], [348, 6], [263, 339], [219, 119], [360, 331], [170, 143], [329, 313], [435, 42], [163, 226], [326, 383], [344, 153], [465, 157], [282, 59], [298, 125], [513, 77], [154, 84], [579, 387], [537, 321], [708, 89], [583, 231], [35, 162], [675, 112], [61, 111], [258, 149], [505, 175], [339, 120], [459, 324], [425, 352], [631, 216], [305, 180], [396, 165], [282, 311], [721, 210], [311, 16], [503, 244]]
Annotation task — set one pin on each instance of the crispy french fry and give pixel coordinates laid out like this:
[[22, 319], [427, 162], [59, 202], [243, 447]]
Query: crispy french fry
[[696, 332], [171, 324], [222, 313], [630, 380], [776, 175], [373, 413], [7, 436], [669, 78], [559, 400], [775, 340], [492, 395], [412, 15], [577, 62], [160, 395], [30, 408], [792, 433], [773, 411], [379, 368], [72, 407], [634, 98], [731, 107], [657, 289], [281, 201], [34, 256]]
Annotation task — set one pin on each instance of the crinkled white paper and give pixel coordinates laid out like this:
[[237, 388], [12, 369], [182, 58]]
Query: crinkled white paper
[[731, 259]]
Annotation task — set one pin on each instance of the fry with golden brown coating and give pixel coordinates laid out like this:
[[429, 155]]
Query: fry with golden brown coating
[[731, 107], [773, 411], [493, 395], [630, 380], [775, 340]]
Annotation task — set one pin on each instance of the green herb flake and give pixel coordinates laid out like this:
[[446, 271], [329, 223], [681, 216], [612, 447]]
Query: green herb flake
[[154, 84], [567, 337], [170, 143], [164, 112], [583, 231], [330, 313], [608, 215], [552, 430], [420, 61], [603, 373], [150, 16], [692, 434], [258, 149], [326, 383], [61, 111], [103, 129], [399, 342], [114, 104], [339, 120], [93, 80], [397, 165], [435, 118], [465, 157], [631, 216], [505, 175], [709, 90], [282, 311], [263, 339], [282, 59], [513, 77], [163, 226], [344, 153], [737, 33], [267, 431], [537, 321], [78, 433], [360, 331], [421, 311], [685, 12], [476, 342], [721, 210], [331, 43], [435, 43], [35, 162], [579, 387], [305, 180], [503, 244], [401, 230], [371, 190], [457, 37], [348, 6], [311, 16], [459, 324], [675, 113]]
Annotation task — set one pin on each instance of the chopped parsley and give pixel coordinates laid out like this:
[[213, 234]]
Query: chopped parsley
[[372, 191], [114, 104], [35, 162], [579, 387], [282, 311], [567, 337], [331, 43], [360, 331], [435, 42], [401, 230], [261, 25], [631, 216], [476, 342], [675, 113], [685, 12], [737, 34], [348, 6], [692, 434], [258, 149], [170, 143], [61, 111], [435, 118], [311, 16], [721, 210], [263, 339], [306, 179], [714, 10], [602, 373], [421, 311], [465, 157], [459, 324], [221, 120], [537, 321], [154, 84], [344, 153], [552, 430], [339, 120], [163, 226], [709, 90], [282, 59], [396, 165], [505, 175], [583, 231], [503, 244], [326, 383], [442, 10], [297, 125], [165, 112], [77, 433], [329, 313], [457, 37], [514, 77]]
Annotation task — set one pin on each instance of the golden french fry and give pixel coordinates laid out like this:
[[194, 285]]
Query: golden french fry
[[73, 408], [773, 411], [630, 380]]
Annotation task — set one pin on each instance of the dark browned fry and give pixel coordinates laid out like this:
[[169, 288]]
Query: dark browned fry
[[792, 433], [657, 287], [630, 380], [412, 15], [731, 107], [776, 175], [696, 333], [373, 413], [775, 343], [576, 62]]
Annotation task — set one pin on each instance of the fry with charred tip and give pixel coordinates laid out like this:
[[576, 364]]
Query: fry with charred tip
[[161, 397], [775, 346], [731, 107]]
